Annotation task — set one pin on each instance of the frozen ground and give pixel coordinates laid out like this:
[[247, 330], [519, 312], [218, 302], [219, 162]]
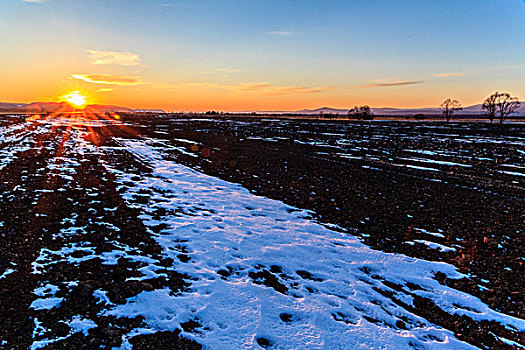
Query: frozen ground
[[257, 273], [321, 282]]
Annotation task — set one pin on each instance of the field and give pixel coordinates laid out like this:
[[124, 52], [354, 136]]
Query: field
[[178, 232]]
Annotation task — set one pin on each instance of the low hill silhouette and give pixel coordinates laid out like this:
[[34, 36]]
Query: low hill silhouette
[[64, 107]]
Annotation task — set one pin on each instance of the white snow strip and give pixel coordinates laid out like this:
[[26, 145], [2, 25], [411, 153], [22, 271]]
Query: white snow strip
[[20, 139], [515, 173], [512, 343], [435, 234], [186, 141], [415, 167], [77, 324], [432, 161], [434, 245], [332, 306], [6, 273]]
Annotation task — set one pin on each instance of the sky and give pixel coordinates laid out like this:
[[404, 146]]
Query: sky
[[239, 55]]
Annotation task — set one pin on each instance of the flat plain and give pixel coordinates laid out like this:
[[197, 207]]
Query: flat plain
[[174, 231]]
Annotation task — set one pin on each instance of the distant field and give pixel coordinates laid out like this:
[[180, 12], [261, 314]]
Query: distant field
[[409, 116]]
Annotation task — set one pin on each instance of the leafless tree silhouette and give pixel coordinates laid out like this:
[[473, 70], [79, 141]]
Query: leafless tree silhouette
[[506, 105], [363, 112], [449, 106], [489, 106]]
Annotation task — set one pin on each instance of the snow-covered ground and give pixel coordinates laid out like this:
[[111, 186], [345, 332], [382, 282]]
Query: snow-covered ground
[[325, 283], [261, 272]]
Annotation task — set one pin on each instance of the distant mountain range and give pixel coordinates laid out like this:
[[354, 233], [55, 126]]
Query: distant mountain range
[[50, 107], [470, 110], [5, 106]]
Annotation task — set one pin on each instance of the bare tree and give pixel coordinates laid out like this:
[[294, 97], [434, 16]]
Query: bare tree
[[361, 113], [366, 112], [352, 112], [506, 105], [448, 107], [489, 106]]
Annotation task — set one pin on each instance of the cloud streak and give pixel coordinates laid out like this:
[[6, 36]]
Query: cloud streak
[[113, 57], [390, 84], [108, 79], [265, 88], [254, 86], [279, 32], [273, 90], [268, 89]]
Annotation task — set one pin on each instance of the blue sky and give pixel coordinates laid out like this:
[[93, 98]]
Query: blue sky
[[262, 54]]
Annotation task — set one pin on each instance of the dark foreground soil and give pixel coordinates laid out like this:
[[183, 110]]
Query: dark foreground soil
[[390, 183], [36, 202]]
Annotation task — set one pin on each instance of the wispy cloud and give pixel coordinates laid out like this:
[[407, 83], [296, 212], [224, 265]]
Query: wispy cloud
[[297, 90], [450, 74], [113, 57], [279, 32], [270, 89], [105, 90], [264, 88], [254, 86], [388, 84], [35, 1], [108, 79]]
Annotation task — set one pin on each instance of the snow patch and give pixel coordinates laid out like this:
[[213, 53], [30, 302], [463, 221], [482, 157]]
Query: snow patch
[[261, 269]]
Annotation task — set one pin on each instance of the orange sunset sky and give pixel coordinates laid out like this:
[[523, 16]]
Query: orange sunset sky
[[261, 55]]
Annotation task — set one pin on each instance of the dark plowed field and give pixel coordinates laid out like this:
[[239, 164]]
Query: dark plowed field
[[75, 243]]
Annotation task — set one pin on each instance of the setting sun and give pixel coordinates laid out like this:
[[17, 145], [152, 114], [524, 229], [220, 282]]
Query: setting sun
[[76, 99]]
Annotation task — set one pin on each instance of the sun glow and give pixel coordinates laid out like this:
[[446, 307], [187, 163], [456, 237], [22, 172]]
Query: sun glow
[[76, 99]]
